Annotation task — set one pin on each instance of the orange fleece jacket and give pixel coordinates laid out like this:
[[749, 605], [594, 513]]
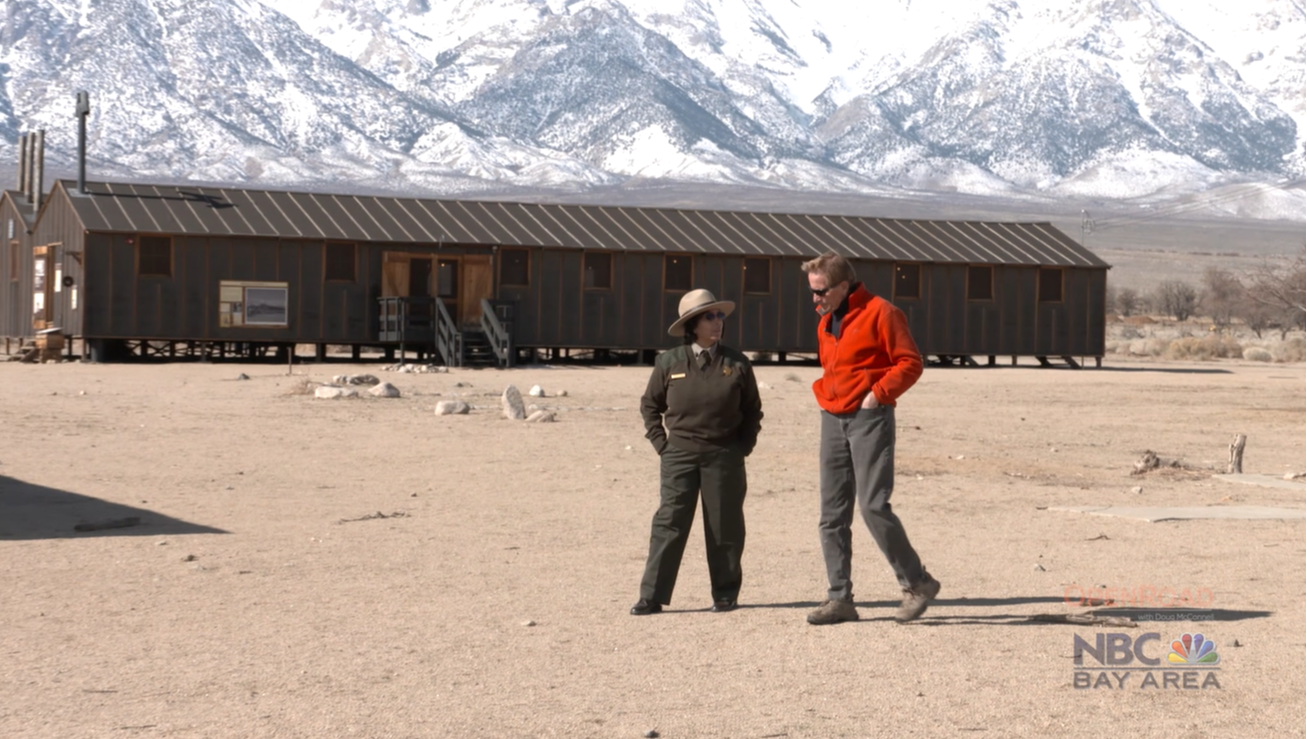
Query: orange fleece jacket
[[874, 351]]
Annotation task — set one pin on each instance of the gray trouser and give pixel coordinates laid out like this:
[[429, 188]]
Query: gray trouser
[[857, 460]]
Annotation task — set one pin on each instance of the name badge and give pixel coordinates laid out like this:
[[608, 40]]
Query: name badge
[[678, 376]]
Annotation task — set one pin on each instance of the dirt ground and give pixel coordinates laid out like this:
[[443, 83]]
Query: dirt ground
[[314, 568]]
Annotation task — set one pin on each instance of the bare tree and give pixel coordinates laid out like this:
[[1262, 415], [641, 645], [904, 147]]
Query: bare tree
[[1257, 315], [1282, 289], [1222, 292], [1176, 298], [1127, 301]]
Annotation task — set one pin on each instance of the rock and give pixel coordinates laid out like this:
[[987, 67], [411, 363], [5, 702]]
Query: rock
[[340, 380], [242, 376], [1136, 490], [189, 558], [384, 390], [512, 402], [536, 391], [452, 408], [764, 386], [561, 394], [331, 392], [532, 408], [528, 622], [361, 380], [541, 417], [1040, 568], [651, 734]]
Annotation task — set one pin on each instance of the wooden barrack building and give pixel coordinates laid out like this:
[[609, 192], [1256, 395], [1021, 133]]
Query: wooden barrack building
[[149, 266]]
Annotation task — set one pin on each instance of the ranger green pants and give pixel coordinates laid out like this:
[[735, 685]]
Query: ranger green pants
[[721, 479]]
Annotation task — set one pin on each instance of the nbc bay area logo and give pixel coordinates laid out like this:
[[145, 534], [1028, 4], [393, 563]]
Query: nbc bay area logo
[[1116, 661]]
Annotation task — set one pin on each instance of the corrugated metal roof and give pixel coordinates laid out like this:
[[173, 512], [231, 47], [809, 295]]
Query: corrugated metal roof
[[134, 208]]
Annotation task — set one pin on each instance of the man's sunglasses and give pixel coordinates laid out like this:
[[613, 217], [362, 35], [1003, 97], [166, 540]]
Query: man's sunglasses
[[713, 315], [822, 292]]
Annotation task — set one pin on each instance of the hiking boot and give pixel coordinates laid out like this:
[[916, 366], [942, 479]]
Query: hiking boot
[[916, 598], [833, 612]]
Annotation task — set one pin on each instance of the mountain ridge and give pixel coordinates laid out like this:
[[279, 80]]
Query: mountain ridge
[[1024, 99]]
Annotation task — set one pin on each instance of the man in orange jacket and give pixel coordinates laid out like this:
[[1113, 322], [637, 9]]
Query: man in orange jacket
[[868, 360]]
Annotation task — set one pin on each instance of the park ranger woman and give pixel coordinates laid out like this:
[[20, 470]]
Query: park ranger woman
[[702, 414]]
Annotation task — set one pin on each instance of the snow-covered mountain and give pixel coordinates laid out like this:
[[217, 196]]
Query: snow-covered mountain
[[1023, 98]]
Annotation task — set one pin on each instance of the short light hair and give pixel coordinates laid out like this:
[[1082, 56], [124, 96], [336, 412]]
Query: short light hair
[[836, 268]]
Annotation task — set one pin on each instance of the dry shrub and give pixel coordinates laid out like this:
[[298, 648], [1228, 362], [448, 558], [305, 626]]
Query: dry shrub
[[1206, 347], [302, 386], [1293, 350], [1148, 347], [1257, 354]]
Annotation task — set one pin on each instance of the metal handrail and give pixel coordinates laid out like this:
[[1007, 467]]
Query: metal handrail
[[449, 340], [499, 333]]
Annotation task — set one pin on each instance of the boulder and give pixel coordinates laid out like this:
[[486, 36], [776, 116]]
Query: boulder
[[452, 408], [331, 392], [541, 417], [384, 390], [536, 391], [512, 402]]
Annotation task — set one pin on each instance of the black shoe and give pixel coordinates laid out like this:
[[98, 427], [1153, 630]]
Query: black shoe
[[723, 606], [645, 607]]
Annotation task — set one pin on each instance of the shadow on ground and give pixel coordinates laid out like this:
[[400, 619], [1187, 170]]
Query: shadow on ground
[[1145, 618], [1168, 370], [30, 511]]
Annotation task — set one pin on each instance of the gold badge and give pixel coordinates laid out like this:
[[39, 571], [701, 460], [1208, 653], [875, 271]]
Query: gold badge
[[726, 371], [678, 376]]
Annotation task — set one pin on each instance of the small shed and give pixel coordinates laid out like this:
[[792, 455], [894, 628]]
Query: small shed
[[147, 266]]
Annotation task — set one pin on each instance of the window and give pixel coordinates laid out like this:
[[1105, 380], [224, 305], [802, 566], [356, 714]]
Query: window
[[678, 272], [13, 260], [154, 256], [447, 278], [1050, 285], [980, 283], [598, 271], [340, 263], [907, 281], [514, 267], [757, 275]]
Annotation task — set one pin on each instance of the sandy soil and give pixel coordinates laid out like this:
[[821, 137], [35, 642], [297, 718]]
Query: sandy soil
[[257, 598]]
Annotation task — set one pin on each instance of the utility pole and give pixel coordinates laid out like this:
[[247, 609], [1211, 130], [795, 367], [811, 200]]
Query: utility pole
[[1086, 226]]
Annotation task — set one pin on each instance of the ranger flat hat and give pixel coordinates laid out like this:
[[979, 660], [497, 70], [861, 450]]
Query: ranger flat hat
[[695, 302]]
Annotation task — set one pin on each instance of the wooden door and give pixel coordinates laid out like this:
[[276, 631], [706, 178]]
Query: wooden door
[[419, 277], [478, 284], [42, 287], [394, 275]]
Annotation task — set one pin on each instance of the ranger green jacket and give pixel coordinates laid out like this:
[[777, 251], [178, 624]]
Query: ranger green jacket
[[702, 410]]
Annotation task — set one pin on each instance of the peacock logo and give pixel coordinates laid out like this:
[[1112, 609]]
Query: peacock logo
[[1193, 649]]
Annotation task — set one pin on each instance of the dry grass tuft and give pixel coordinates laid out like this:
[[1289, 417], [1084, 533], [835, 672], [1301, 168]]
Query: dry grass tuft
[[1293, 350], [302, 386], [1205, 347]]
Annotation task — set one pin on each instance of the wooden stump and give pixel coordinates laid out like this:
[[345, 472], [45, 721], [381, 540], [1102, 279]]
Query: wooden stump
[[1236, 455]]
